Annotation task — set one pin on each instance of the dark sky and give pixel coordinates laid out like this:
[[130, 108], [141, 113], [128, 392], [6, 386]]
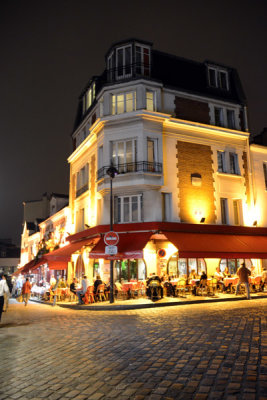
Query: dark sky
[[50, 49]]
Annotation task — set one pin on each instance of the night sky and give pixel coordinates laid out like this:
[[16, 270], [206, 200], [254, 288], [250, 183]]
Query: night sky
[[50, 49]]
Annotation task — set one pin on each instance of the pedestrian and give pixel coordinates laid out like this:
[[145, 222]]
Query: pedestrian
[[243, 273], [55, 291], [26, 291], [80, 293], [3, 290]]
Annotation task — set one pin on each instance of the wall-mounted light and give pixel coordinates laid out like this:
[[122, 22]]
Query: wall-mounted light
[[202, 220], [255, 223], [87, 226]]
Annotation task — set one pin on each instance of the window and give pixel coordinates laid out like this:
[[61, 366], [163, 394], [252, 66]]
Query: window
[[100, 157], [125, 102], [82, 181], [224, 211], [142, 56], [233, 160], [218, 116], [218, 78], [237, 206], [150, 101], [123, 62], [224, 117], [89, 97], [221, 161], [233, 264], [129, 270], [182, 267], [265, 174], [228, 162], [166, 206], [152, 150], [230, 119], [128, 208], [124, 155]]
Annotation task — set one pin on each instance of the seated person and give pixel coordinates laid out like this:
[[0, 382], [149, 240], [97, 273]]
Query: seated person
[[154, 277], [263, 279], [226, 273], [73, 286], [203, 279], [193, 274], [97, 282], [219, 276]]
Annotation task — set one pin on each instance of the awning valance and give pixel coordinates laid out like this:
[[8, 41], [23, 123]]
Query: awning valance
[[130, 246], [204, 245]]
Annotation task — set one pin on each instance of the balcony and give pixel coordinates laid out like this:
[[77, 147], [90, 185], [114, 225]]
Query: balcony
[[81, 190], [140, 166], [127, 71]]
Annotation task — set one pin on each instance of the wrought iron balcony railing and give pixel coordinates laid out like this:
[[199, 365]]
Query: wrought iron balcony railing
[[140, 166], [81, 190], [128, 70]]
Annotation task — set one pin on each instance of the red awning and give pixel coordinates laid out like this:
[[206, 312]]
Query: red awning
[[64, 253], [27, 267], [130, 246], [204, 245]]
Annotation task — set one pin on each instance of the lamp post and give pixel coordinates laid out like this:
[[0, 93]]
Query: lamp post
[[112, 172]]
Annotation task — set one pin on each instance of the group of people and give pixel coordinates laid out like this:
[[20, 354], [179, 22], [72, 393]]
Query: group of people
[[80, 292], [6, 290]]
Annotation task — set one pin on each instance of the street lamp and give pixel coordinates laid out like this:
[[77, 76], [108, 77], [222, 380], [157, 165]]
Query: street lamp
[[112, 172]]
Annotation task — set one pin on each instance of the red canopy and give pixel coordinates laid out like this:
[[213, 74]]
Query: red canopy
[[130, 246], [204, 245], [64, 253]]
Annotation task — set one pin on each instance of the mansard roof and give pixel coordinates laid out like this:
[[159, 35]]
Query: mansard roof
[[172, 72]]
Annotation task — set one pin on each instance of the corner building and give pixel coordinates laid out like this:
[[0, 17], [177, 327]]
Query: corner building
[[185, 196]]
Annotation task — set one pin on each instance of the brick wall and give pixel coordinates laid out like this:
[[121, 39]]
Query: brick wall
[[196, 199], [192, 110]]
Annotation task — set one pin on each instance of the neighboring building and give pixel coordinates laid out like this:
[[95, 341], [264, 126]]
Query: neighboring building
[[9, 256], [43, 236], [184, 198]]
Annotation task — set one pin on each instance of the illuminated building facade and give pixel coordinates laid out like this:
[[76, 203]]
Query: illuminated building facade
[[190, 192]]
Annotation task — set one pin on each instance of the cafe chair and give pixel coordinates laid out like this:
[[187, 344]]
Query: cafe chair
[[212, 286], [181, 288], [89, 295], [203, 287], [100, 292]]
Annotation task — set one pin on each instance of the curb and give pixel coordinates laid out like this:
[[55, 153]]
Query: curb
[[120, 307]]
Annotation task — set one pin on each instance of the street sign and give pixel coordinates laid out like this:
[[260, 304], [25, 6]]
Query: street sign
[[111, 238], [111, 250]]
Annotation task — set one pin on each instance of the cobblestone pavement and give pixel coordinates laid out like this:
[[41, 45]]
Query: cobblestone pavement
[[200, 351]]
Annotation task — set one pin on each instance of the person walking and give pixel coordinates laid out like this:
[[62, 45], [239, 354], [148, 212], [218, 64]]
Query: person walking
[[26, 291], [3, 290], [243, 273]]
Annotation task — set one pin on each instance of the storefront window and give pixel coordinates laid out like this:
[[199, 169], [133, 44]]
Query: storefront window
[[182, 267], [233, 264], [96, 269], [130, 269]]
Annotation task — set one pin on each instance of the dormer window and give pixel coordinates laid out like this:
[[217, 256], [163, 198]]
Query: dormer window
[[218, 78], [128, 60], [123, 62], [89, 97], [142, 59]]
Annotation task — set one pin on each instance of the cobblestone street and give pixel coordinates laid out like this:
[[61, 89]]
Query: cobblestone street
[[199, 351]]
